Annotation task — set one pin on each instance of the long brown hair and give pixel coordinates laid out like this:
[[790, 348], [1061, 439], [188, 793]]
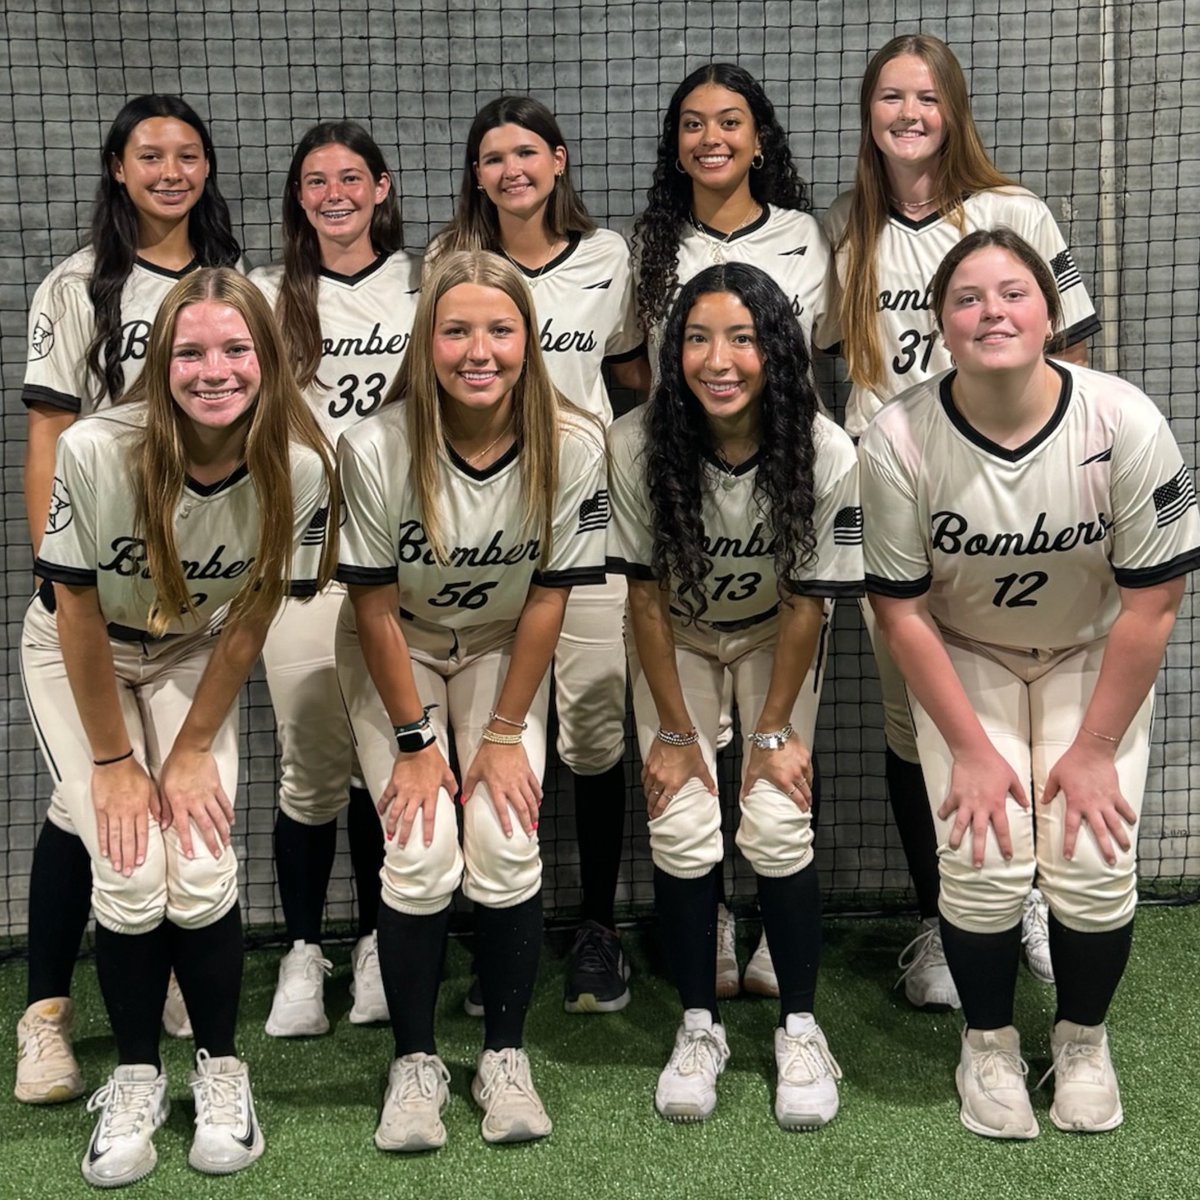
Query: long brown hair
[[963, 169], [279, 417], [537, 403]]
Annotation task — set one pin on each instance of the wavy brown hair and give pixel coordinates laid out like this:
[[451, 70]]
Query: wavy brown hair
[[279, 418], [963, 169]]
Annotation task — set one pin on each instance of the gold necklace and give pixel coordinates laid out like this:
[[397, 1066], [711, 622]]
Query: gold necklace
[[717, 246], [532, 276], [189, 502], [469, 459], [910, 206]]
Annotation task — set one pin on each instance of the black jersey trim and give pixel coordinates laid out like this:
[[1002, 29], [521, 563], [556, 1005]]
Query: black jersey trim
[[1144, 577], [34, 394], [737, 234], [631, 570], [831, 589], [460, 464], [637, 352], [366, 576], [71, 576], [573, 240], [166, 272], [934, 217], [302, 589], [358, 276], [1081, 331], [898, 589], [723, 468], [572, 577], [211, 489], [985, 443]]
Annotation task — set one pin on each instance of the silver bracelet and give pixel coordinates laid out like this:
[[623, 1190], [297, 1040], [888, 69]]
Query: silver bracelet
[[495, 716], [772, 741], [670, 738]]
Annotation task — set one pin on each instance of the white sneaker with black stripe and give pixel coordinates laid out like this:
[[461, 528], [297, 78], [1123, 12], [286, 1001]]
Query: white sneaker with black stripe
[[227, 1136], [132, 1105]]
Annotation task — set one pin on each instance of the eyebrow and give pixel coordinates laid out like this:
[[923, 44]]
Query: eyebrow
[[968, 287], [695, 112], [692, 325]]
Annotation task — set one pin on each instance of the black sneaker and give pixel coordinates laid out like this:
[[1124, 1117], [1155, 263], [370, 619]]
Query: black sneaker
[[473, 1000], [596, 983]]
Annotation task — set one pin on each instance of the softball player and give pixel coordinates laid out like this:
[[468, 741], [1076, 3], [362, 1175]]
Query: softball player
[[923, 181], [517, 200], [1030, 526], [736, 519], [344, 297], [177, 521], [474, 504], [158, 214], [726, 190]]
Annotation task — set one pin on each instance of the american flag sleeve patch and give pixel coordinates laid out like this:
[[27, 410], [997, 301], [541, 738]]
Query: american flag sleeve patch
[[593, 512], [314, 535], [848, 526], [1173, 498], [1066, 273]]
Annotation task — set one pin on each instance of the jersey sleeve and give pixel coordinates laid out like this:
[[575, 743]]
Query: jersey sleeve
[[310, 503], [630, 538], [61, 325], [69, 551], [1156, 525], [828, 336], [625, 341], [366, 545], [580, 514], [836, 570], [895, 555], [824, 308]]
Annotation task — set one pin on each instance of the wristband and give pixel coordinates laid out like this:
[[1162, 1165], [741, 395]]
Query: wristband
[[772, 741], [521, 725], [670, 738], [416, 735], [108, 762], [501, 739], [417, 726]]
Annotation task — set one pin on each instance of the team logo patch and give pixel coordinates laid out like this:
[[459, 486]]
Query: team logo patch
[[593, 512], [314, 535], [1066, 273], [41, 341], [848, 526], [1103, 457], [1174, 498], [60, 507], [591, 287], [797, 251]]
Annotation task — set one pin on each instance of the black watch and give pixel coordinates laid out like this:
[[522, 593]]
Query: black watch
[[414, 740]]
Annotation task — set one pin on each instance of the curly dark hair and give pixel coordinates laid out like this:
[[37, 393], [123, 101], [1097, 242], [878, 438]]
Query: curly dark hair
[[656, 233], [679, 439]]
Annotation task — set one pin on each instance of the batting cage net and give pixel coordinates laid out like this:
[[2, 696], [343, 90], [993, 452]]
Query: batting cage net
[[1094, 106]]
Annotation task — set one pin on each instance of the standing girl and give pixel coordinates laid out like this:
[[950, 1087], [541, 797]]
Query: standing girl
[[158, 214], [344, 297], [736, 519], [1035, 684], [923, 181], [474, 504], [178, 521], [517, 200]]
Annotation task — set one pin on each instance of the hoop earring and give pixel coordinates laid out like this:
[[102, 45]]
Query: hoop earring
[[756, 163], [680, 167]]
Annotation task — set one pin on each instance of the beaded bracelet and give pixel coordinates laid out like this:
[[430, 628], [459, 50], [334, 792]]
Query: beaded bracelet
[[670, 738], [501, 739], [108, 762], [495, 716]]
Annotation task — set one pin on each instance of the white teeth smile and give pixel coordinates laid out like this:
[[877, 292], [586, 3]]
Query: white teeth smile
[[478, 376], [339, 214], [722, 387], [714, 160], [216, 397]]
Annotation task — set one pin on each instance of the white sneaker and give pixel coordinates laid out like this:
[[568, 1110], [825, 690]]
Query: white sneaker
[[759, 978], [418, 1090], [370, 1003], [227, 1136], [175, 1017], [47, 1072], [991, 1083], [927, 980], [806, 1095], [503, 1088], [728, 975], [298, 1008], [687, 1087], [1035, 933], [1086, 1096], [132, 1105]]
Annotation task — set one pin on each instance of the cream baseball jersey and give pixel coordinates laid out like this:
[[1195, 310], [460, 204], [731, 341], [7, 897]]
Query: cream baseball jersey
[[91, 539], [742, 587], [906, 260], [1026, 548], [366, 320], [494, 554], [62, 323]]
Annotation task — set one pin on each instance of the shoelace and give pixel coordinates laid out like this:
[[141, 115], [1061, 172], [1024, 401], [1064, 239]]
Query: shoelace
[[989, 1067], [305, 968], [419, 1082], [1075, 1059], [925, 950], [510, 1073], [594, 954], [1034, 932], [125, 1104], [699, 1052], [812, 1054], [218, 1097], [369, 963], [43, 1038]]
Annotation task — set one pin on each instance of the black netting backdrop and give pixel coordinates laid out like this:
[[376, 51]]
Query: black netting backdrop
[[1095, 107]]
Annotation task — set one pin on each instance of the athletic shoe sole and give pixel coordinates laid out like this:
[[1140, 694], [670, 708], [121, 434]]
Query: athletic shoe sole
[[252, 1155], [57, 1093], [1009, 1131], [1111, 1123]]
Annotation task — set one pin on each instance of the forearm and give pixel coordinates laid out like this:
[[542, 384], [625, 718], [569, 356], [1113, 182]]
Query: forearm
[[1077, 354], [377, 616], [538, 629], [800, 619], [656, 652], [43, 431], [87, 657]]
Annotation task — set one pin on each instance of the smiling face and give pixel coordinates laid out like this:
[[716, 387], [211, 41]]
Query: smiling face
[[517, 169], [994, 316], [721, 361], [906, 117], [478, 346], [338, 195], [162, 168], [717, 138], [215, 375]]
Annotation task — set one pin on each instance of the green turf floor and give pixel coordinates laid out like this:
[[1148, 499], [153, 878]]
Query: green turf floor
[[897, 1134]]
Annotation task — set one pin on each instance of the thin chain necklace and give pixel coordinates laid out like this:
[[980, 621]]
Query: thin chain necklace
[[190, 502], [471, 459], [717, 246], [910, 206], [532, 276]]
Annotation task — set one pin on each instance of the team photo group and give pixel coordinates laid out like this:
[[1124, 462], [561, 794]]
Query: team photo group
[[396, 479]]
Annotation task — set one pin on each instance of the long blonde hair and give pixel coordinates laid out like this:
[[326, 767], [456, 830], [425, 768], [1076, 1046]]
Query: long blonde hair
[[963, 169], [537, 403], [279, 417]]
